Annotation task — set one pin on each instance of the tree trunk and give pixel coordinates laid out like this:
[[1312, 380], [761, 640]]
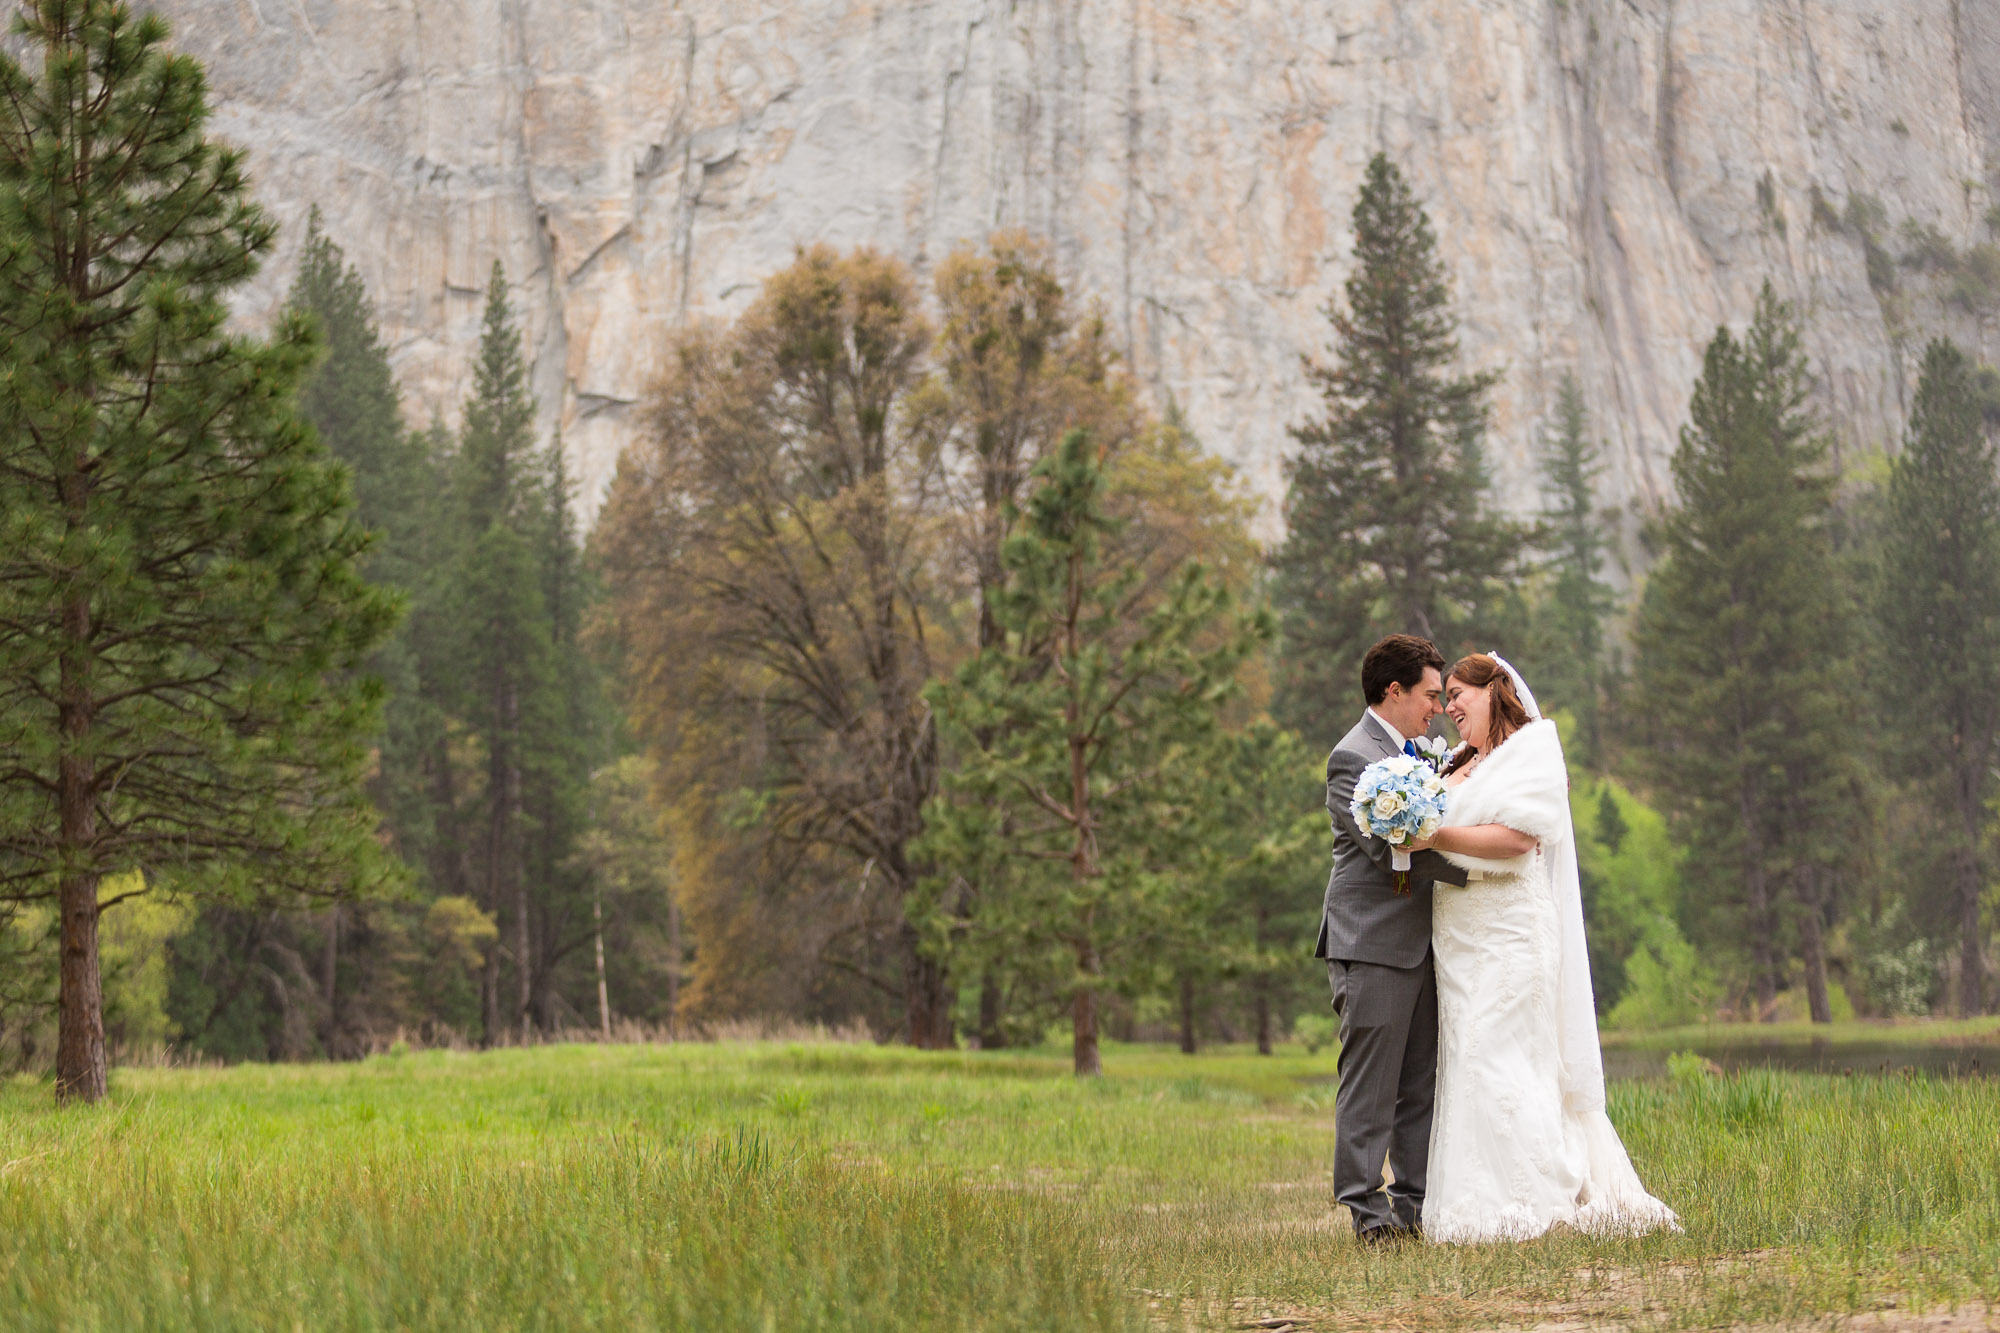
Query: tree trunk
[[1965, 869], [673, 964], [597, 933], [1812, 947], [524, 969], [1083, 1016], [926, 996], [1187, 1014], [80, 1057], [448, 849], [991, 1038], [1263, 1012], [489, 998], [1763, 957], [329, 962]]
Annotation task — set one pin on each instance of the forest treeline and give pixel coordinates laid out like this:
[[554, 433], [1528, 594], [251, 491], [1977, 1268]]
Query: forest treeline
[[919, 670]]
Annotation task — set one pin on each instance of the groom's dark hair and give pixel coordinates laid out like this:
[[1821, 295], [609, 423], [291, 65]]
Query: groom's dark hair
[[1399, 659]]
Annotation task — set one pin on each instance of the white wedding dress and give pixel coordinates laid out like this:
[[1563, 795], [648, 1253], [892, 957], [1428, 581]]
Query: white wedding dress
[[1520, 1142]]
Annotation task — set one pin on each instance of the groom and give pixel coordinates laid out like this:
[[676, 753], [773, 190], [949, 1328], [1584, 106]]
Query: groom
[[1377, 945]]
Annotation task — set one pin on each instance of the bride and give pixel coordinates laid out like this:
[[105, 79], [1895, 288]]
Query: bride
[[1520, 1142]]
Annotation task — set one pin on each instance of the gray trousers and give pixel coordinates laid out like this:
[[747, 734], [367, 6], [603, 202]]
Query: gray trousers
[[1388, 1082]]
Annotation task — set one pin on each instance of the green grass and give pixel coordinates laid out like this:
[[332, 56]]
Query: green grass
[[847, 1187], [1863, 1032]]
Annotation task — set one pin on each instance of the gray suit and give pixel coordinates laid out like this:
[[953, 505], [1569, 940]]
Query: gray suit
[[1377, 944]]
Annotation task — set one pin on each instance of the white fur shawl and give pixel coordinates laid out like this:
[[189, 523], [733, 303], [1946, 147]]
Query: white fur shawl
[[1523, 784]]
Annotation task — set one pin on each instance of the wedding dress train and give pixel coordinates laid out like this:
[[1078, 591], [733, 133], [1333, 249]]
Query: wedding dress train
[[1520, 1142]]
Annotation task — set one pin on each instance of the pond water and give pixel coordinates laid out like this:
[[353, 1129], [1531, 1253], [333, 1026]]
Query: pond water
[[1817, 1057]]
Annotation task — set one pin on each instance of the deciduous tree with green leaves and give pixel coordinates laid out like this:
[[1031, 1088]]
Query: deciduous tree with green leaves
[[1388, 525], [181, 607], [1938, 604], [1064, 734]]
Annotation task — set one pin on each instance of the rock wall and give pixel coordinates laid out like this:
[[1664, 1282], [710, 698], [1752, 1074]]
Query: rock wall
[[1610, 179]]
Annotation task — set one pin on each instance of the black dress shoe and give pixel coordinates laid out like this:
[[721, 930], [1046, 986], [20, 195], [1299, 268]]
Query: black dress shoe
[[1385, 1235]]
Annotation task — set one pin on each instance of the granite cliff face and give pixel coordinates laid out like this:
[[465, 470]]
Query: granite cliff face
[[1609, 179]]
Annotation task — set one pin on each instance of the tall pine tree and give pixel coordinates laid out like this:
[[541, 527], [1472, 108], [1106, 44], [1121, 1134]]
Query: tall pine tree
[[1065, 731], [181, 609], [1570, 666], [350, 399], [1388, 525], [1745, 650], [498, 602], [1938, 604]]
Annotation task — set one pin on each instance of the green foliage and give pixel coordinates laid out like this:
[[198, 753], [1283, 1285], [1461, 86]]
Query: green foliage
[[1769, 203], [182, 612], [1686, 1068], [1068, 735], [1315, 1032], [1745, 649], [1567, 660], [1256, 800], [1643, 970], [134, 940], [1388, 527], [1937, 603]]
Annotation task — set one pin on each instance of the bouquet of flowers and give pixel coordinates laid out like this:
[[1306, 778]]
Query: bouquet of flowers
[[1400, 800]]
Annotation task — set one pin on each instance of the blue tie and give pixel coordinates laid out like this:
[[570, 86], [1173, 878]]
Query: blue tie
[[1410, 748]]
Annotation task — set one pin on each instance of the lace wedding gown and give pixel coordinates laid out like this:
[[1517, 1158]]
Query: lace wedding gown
[[1520, 1141]]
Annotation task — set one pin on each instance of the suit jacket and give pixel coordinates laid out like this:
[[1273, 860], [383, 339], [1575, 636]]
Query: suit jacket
[[1365, 920]]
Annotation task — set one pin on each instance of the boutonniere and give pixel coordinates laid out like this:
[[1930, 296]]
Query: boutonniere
[[1433, 750]]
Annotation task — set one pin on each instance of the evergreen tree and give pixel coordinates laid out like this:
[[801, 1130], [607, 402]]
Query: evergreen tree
[[181, 610], [1570, 670], [1262, 839], [1388, 527], [1938, 605], [569, 738], [350, 399], [1065, 730], [503, 643], [1745, 645]]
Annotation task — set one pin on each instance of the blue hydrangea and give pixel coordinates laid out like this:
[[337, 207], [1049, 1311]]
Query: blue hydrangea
[[1399, 799]]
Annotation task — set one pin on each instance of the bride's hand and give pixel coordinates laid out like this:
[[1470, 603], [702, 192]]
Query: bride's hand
[[1421, 845]]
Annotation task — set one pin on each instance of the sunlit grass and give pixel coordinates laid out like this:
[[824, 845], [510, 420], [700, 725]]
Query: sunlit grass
[[826, 1186]]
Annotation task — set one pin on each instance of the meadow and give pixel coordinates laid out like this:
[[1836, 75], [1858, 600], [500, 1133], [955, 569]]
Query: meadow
[[821, 1185]]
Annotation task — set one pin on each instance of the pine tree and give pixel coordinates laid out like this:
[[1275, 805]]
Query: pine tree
[[1570, 670], [502, 639], [350, 400], [1261, 837], [181, 610], [567, 741], [1388, 526], [1745, 650], [1064, 732], [1938, 605]]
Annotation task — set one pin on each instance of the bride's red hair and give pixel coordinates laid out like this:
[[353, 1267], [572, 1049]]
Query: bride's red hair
[[1509, 715]]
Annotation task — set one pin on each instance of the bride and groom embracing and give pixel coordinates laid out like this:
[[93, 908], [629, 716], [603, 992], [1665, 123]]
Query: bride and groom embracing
[[1468, 1036]]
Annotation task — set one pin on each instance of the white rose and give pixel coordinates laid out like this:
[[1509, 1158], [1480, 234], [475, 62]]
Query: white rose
[[1388, 805]]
